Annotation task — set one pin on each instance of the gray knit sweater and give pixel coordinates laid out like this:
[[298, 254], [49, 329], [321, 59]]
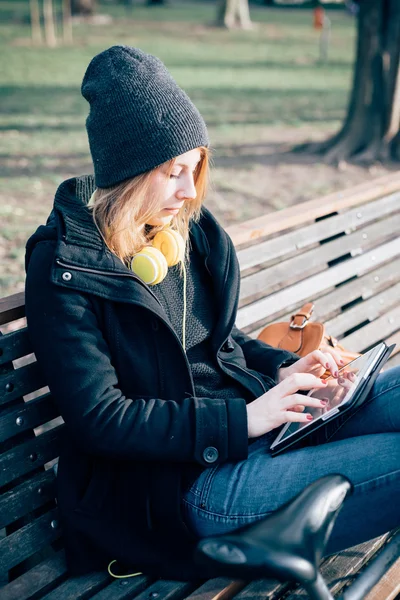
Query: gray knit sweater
[[209, 380]]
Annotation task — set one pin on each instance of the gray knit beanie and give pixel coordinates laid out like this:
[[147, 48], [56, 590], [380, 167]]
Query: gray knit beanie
[[139, 117]]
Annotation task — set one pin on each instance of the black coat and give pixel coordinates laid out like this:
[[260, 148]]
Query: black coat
[[123, 385]]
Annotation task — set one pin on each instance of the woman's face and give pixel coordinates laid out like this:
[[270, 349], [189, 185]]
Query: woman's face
[[174, 188]]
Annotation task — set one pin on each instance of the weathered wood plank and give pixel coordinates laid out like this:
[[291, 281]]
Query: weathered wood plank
[[338, 570], [264, 225], [21, 382], [312, 234], [256, 313], [36, 582], [219, 588], [12, 308], [370, 310], [374, 332], [14, 344], [79, 587], [29, 539], [123, 589], [26, 497], [264, 589], [317, 259], [388, 587], [167, 590], [330, 305], [31, 415], [28, 456]]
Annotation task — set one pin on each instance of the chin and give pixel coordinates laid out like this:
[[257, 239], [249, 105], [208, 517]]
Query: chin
[[157, 221]]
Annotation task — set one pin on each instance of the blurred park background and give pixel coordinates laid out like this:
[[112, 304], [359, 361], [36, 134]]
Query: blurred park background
[[263, 89]]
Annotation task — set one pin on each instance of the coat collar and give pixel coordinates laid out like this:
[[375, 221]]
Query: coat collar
[[79, 244]]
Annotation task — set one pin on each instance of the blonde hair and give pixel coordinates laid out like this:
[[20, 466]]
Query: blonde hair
[[121, 212]]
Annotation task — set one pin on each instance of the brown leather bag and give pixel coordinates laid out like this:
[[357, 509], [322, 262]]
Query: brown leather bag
[[302, 336]]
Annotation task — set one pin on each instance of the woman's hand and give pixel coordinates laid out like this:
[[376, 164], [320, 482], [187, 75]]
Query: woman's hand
[[316, 363], [282, 404]]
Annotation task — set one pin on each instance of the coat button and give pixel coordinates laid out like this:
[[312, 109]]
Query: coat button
[[66, 276], [210, 454]]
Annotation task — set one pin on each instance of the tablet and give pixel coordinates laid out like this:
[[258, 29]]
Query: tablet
[[349, 393]]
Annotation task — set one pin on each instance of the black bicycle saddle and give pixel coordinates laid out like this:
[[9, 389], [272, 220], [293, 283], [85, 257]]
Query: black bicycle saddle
[[287, 545]]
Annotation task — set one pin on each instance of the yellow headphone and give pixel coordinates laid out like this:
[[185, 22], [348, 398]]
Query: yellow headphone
[[151, 264]]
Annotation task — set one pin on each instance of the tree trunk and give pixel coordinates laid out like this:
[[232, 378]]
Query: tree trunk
[[35, 22], [234, 13], [83, 7], [371, 129], [67, 22], [49, 28]]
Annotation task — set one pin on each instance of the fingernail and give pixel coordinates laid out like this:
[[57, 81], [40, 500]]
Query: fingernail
[[342, 362], [336, 373], [324, 402], [324, 382], [309, 417], [327, 365]]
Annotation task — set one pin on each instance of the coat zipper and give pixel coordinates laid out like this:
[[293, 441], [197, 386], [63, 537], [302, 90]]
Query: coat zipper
[[246, 372], [107, 273]]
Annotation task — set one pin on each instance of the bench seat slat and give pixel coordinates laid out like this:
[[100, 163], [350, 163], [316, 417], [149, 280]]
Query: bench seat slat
[[219, 588], [257, 312], [167, 590], [27, 496], [79, 587], [264, 589], [311, 234], [28, 456], [33, 413], [123, 589], [338, 570], [29, 539], [311, 261], [21, 382], [14, 344], [37, 581]]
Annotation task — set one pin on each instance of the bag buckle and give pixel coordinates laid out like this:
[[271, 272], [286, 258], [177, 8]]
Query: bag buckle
[[304, 323]]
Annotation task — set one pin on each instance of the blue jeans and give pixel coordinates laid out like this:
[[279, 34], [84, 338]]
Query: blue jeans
[[365, 448]]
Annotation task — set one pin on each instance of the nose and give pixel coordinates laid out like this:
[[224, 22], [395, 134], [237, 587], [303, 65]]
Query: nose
[[188, 188]]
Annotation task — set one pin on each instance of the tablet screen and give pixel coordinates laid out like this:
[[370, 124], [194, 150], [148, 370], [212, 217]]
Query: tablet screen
[[338, 392]]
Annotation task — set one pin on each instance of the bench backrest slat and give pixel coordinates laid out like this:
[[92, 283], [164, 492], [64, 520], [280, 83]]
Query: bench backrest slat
[[29, 539], [20, 382], [318, 258], [28, 456], [27, 415], [370, 309], [292, 296], [311, 234], [14, 345], [29, 495]]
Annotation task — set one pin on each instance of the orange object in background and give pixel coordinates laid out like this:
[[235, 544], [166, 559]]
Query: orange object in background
[[319, 14]]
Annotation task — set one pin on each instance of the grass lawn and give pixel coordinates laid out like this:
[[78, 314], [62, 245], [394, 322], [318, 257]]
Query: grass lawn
[[259, 92]]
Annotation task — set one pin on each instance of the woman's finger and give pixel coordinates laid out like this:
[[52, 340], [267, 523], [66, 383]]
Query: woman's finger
[[296, 399], [299, 381], [294, 417]]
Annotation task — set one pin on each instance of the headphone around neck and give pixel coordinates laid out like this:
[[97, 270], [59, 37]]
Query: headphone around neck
[[151, 264]]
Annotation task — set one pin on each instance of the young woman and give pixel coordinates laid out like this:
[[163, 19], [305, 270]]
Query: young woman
[[131, 298]]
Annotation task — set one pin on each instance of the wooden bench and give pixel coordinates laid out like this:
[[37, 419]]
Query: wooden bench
[[341, 251]]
